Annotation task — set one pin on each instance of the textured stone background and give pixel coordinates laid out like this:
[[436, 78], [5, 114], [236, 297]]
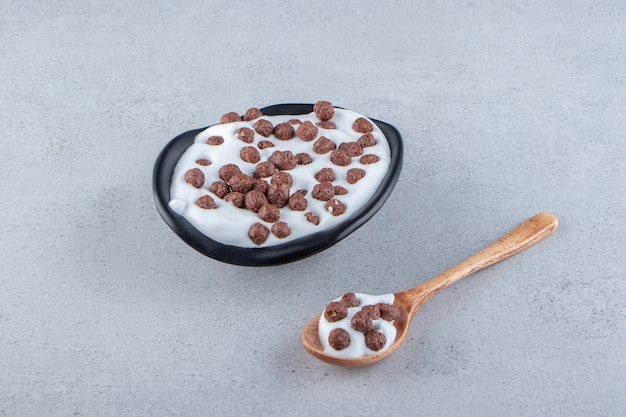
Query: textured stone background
[[507, 109]]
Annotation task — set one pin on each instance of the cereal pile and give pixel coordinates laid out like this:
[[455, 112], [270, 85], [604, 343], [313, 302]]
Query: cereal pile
[[278, 177], [358, 325]]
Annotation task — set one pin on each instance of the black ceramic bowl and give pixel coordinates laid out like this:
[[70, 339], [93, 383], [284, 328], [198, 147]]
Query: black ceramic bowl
[[272, 255]]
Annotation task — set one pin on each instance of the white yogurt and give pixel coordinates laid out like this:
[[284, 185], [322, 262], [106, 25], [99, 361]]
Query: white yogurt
[[357, 347], [229, 225]]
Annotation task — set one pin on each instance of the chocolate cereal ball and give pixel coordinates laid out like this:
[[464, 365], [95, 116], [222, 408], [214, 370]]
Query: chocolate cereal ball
[[339, 190], [307, 131], [203, 162], [254, 200], [278, 194], [340, 158], [215, 140], [230, 117], [324, 110], [281, 229], [282, 178], [236, 198], [375, 340], [245, 134], [361, 322], [265, 169], [219, 188], [297, 202], [252, 113], [325, 174], [269, 213], [227, 171], [389, 312], [312, 218], [326, 124], [335, 311], [323, 145], [369, 159], [283, 131], [339, 339], [350, 300], [335, 207], [354, 175], [352, 148], [367, 140], [195, 177], [284, 160], [250, 154], [258, 233], [206, 202], [260, 185], [263, 127], [362, 125], [303, 158], [241, 183], [323, 191], [371, 311], [265, 144]]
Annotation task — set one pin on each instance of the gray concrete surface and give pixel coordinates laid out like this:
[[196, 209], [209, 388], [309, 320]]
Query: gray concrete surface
[[507, 109]]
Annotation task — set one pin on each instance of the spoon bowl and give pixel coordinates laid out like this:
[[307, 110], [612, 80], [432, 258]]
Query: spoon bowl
[[409, 301]]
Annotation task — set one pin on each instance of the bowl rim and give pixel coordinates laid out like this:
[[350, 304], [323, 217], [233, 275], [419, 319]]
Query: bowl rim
[[293, 250]]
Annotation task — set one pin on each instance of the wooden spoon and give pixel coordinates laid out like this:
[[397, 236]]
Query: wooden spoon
[[409, 301]]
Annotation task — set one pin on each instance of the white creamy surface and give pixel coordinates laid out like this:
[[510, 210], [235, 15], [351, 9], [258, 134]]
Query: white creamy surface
[[357, 347], [229, 225]]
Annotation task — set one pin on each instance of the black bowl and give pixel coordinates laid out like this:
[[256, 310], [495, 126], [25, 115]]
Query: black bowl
[[272, 255]]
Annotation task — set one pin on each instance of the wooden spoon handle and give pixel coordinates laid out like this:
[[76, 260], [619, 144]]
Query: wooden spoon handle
[[523, 236]]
